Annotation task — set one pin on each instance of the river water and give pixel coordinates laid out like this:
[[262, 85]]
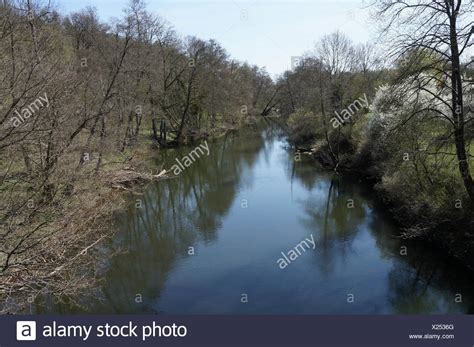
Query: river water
[[209, 241]]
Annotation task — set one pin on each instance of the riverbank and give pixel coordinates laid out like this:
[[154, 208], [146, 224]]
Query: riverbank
[[65, 253], [451, 233], [61, 257]]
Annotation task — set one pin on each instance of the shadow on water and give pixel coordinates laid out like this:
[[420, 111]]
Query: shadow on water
[[196, 242]]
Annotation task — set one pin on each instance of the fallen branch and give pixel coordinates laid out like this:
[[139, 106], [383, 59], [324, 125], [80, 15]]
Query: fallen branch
[[83, 252], [126, 179]]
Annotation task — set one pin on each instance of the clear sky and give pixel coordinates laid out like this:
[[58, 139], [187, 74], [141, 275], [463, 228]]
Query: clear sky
[[267, 33]]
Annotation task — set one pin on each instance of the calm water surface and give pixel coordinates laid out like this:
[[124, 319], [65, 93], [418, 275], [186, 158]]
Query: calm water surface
[[239, 208]]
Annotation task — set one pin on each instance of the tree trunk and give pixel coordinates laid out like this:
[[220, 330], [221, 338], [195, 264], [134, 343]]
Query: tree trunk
[[458, 107], [154, 131], [26, 159]]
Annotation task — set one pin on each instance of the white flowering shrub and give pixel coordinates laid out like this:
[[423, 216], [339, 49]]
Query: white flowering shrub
[[411, 146]]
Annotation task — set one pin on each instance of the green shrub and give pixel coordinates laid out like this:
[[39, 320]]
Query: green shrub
[[302, 126]]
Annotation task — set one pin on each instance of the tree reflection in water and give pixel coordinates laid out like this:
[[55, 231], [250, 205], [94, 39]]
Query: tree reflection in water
[[357, 248], [176, 213]]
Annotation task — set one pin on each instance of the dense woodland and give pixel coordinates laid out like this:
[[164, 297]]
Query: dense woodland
[[81, 98]]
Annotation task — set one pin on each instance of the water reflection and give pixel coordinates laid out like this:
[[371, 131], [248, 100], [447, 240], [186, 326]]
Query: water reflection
[[239, 208], [173, 215], [421, 280]]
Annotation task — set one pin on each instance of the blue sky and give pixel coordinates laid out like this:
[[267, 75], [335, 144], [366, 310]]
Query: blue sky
[[263, 32]]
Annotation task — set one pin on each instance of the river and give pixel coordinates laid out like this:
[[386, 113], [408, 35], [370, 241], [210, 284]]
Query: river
[[209, 242]]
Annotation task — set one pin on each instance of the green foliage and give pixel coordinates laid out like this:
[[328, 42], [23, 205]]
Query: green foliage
[[413, 158], [302, 125], [416, 60]]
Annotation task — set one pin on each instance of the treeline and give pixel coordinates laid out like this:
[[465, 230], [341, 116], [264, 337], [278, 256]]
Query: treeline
[[79, 95], [413, 136]]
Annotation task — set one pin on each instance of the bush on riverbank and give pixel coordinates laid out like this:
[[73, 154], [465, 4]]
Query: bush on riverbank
[[303, 127], [413, 159]]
